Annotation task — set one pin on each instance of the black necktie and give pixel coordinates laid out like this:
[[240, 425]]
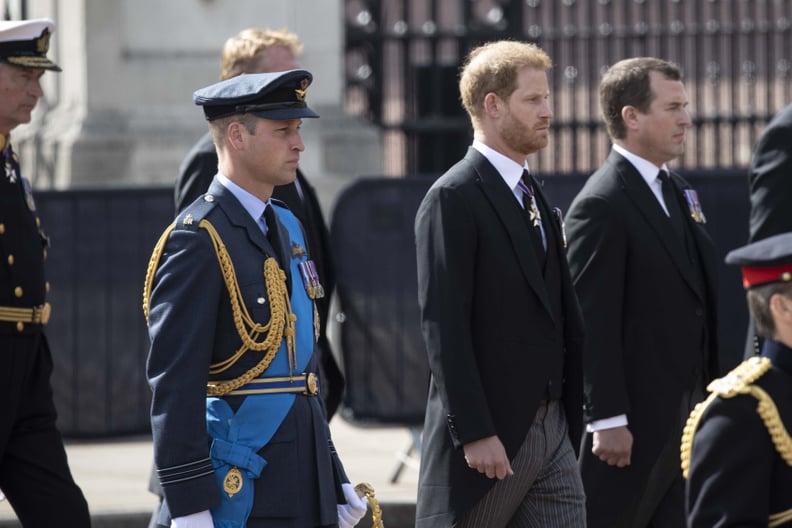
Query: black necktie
[[672, 204], [272, 233], [532, 214]]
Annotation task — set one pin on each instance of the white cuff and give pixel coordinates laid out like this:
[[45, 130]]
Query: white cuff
[[194, 520], [607, 423]]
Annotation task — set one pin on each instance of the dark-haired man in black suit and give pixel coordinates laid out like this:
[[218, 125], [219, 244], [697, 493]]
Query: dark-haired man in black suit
[[644, 270]]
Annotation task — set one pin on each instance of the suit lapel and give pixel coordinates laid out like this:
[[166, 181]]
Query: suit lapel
[[702, 242], [645, 201], [508, 211]]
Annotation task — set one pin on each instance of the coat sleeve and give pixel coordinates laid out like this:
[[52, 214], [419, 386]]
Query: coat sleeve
[[446, 239], [182, 319], [597, 256], [195, 175], [770, 181]]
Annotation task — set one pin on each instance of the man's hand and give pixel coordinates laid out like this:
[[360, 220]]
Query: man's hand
[[488, 456], [349, 514], [613, 446]]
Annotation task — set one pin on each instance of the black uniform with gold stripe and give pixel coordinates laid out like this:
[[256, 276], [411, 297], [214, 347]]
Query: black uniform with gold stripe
[[33, 466], [739, 466]]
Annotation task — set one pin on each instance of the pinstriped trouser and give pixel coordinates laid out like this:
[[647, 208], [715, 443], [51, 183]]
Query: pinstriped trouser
[[545, 491]]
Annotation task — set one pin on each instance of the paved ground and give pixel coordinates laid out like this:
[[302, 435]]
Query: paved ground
[[114, 475]]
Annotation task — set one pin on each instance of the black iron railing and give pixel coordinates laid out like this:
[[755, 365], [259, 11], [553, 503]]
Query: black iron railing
[[403, 56]]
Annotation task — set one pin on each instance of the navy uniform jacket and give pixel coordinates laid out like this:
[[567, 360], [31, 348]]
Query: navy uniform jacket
[[191, 326], [27, 424], [195, 175], [737, 476], [23, 248]]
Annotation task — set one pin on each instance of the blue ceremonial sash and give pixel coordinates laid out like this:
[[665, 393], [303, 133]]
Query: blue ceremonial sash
[[238, 437]]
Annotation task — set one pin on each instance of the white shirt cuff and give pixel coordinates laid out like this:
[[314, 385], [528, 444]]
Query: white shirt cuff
[[202, 519], [607, 423]]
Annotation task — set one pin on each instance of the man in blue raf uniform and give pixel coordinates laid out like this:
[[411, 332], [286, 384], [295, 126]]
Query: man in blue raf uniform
[[736, 449], [240, 436], [34, 473], [255, 50]]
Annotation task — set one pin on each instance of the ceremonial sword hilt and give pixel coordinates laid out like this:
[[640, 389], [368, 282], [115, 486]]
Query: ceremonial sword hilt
[[364, 489]]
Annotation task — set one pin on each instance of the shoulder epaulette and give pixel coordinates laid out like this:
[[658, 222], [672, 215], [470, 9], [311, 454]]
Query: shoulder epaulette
[[740, 381], [197, 211], [188, 219], [740, 378]]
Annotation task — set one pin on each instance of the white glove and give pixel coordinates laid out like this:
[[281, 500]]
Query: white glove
[[194, 520], [349, 514]]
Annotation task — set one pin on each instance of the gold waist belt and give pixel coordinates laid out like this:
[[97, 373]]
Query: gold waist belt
[[36, 315], [306, 383]]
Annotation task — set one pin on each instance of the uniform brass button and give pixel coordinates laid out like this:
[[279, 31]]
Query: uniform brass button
[[47, 286], [38, 222], [20, 326], [10, 260], [2, 229], [18, 291], [44, 254]]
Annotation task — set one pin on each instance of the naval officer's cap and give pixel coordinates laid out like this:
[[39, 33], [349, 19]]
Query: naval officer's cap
[[25, 43], [764, 262], [276, 95]]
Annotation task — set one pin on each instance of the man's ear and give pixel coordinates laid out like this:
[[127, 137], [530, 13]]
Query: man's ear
[[629, 115], [235, 135], [781, 307], [493, 105]]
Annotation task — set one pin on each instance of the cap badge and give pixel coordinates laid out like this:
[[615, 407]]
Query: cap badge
[[300, 92], [42, 43]]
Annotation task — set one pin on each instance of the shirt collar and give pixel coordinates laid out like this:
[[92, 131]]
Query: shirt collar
[[510, 171], [647, 169], [251, 203]]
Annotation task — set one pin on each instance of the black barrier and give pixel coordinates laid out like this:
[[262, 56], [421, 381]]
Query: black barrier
[[101, 243], [102, 240], [381, 346], [402, 59]]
